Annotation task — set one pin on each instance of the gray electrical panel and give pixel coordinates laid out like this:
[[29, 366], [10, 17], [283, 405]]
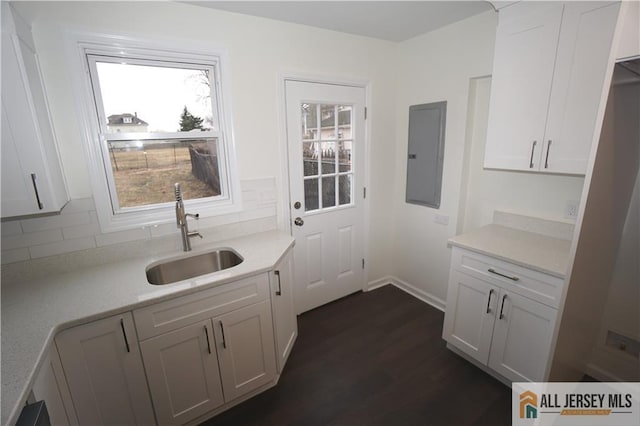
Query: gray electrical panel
[[426, 153]]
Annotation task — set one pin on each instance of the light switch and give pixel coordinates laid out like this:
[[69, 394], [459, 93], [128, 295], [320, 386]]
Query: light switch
[[441, 219]]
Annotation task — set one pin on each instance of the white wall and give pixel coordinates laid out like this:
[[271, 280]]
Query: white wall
[[260, 50], [601, 223], [622, 310], [435, 67], [483, 191]]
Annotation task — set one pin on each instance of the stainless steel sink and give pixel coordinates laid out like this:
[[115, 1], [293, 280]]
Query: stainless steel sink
[[171, 271]]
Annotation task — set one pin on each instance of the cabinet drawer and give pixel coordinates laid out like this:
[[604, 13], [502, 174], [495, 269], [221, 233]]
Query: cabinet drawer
[[533, 284], [176, 313]]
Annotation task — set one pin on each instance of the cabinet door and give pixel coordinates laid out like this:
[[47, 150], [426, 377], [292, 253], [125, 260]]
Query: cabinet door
[[30, 160], [470, 315], [51, 387], [103, 367], [246, 353], [584, 49], [285, 322], [521, 338], [182, 370], [521, 85]]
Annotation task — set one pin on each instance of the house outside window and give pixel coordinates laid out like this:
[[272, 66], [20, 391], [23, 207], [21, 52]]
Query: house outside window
[[159, 118]]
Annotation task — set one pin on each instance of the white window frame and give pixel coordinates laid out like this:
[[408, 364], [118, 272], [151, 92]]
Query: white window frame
[[110, 216]]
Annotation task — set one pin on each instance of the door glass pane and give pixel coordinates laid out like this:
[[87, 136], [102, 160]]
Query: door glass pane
[[328, 191], [345, 151], [328, 122], [309, 121], [328, 158], [344, 122], [344, 188], [310, 158], [311, 195]]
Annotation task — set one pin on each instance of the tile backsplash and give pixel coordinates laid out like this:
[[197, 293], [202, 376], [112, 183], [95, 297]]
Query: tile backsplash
[[76, 228]]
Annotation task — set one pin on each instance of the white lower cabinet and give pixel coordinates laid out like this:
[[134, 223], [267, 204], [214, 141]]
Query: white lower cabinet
[[192, 355], [246, 353], [180, 393], [195, 369], [489, 321], [103, 368], [285, 323], [50, 386], [521, 338]]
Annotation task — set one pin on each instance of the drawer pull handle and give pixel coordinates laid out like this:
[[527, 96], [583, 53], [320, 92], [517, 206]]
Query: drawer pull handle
[[279, 291], [546, 160], [206, 333], [124, 333], [35, 189], [533, 148], [502, 306], [489, 301], [493, 271], [224, 341]]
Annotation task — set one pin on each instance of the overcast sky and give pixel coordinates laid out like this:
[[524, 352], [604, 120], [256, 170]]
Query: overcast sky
[[157, 94]]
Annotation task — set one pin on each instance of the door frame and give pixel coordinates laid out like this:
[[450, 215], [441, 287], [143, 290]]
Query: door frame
[[284, 210]]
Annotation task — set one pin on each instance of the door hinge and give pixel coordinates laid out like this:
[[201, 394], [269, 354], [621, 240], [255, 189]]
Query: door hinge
[[364, 192], [362, 263], [365, 113]]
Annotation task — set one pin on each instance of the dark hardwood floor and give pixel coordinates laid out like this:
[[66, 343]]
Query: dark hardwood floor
[[375, 358]]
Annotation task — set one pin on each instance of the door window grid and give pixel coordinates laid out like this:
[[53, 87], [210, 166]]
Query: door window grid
[[327, 155]]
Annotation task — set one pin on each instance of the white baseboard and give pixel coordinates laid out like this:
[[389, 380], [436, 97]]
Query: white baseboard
[[411, 289], [602, 374]]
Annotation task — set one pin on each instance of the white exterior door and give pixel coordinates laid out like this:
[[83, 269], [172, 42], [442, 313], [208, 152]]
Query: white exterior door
[[325, 131]]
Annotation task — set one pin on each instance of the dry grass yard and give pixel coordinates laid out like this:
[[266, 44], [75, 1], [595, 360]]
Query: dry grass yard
[[147, 177]]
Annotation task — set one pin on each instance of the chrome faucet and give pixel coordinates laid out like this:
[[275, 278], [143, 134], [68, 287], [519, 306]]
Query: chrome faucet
[[181, 220]]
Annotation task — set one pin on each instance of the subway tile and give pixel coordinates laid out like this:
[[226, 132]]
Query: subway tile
[[88, 230], [260, 213], [60, 247], [10, 228], [209, 222], [164, 230], [123, 237], [58, 221], [79, 205], [31, 239], [15, 255]]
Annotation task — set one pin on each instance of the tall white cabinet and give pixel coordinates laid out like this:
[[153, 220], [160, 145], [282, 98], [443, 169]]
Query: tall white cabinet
[[32, 179], [549, 72]]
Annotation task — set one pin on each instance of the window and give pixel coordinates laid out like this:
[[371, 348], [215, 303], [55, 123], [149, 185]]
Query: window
[[159, 119]]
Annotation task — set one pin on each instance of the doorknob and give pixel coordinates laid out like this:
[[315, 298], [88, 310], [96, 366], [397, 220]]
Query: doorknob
[[298, 221]]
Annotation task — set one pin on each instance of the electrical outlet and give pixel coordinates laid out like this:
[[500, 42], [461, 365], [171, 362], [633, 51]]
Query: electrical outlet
[[571, 210], [441, 219]]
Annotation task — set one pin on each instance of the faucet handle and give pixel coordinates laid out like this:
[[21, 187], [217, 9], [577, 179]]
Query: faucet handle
[[194, 234]]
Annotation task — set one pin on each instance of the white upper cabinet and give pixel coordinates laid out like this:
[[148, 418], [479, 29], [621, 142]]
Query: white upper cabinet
[[32, 180], [548, 75]]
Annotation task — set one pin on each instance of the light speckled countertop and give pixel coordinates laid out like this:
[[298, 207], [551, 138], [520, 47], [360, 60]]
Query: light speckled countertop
[[33, 312], [528, 249]]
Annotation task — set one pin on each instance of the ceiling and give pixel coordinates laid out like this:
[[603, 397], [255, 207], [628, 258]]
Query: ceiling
[[387, 20]]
